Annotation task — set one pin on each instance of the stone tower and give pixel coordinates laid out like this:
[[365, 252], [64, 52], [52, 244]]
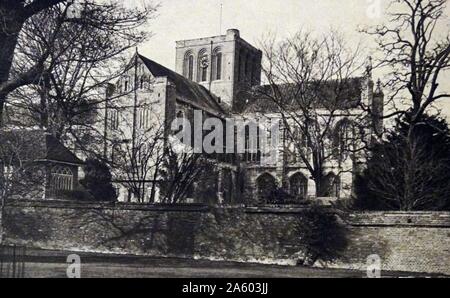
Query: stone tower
[[226, 65]]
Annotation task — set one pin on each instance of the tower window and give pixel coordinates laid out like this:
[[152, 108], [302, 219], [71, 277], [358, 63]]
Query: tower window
[[188, 65], [203, 64], [217, 64], [191, 68]]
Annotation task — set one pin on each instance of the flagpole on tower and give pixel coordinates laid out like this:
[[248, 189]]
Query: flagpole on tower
[[221, 15]]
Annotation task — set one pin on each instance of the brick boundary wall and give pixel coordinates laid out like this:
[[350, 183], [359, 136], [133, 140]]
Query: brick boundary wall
[[405, 241]]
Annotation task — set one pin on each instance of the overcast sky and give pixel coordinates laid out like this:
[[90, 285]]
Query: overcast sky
[[185, 19]]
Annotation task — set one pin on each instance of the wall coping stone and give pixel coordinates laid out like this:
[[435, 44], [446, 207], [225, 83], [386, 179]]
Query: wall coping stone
[[400, 219], [263, 209], [107, 206]]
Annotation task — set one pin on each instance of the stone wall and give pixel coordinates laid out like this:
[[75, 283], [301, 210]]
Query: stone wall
[[417, 242], [405, 241]]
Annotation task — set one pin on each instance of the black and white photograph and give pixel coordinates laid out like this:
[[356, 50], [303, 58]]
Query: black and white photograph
[[224, 143]]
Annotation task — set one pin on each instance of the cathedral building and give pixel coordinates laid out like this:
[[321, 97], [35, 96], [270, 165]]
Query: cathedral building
[[217, 77]]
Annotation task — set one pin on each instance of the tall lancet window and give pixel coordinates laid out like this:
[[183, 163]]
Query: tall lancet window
[[217, 64], [188, 66], [203, 64]]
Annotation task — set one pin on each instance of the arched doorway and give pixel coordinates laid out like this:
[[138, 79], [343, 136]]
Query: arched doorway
[[298, 186], [266, 184]]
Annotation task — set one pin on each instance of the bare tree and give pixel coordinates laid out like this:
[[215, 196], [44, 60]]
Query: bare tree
[[416, 52], [137, 164], [408, 174], [152, 162], [181, 170], [311, 82], [76, 37], [85, 57], [14, 14]]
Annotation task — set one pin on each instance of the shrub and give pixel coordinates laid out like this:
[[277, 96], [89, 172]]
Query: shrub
[[409, 170], [97, 181], [322, 236], [76, 195], [279, 196]]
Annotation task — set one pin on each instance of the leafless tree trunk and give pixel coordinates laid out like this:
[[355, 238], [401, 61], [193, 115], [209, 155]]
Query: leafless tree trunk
[[416, 53], [14, 14]]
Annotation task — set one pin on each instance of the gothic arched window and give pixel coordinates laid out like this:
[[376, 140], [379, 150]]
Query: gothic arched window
[[217, 64], [203, 65], [188, 65], [61, 180], [343, 138], [144, 117], [266, 183], [298, 186], [252, 145], [332, 186]]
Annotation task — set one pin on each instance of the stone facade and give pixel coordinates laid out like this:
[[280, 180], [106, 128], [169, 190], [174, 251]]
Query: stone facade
[[217, 75], [138, 114], [413, 242], [405, 241], [239, 70]]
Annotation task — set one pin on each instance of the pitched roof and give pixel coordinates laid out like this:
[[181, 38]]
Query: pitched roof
[[326, 95], [184, 87], [35, 145]]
